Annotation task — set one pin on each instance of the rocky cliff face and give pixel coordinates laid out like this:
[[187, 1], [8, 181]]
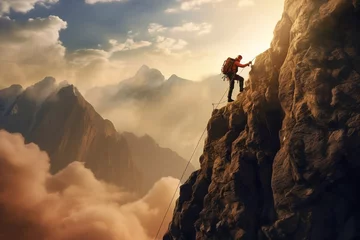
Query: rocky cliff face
[[281, 162], [62, 123]]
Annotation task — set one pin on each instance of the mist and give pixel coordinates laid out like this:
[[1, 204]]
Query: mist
[[71, 204], [175, 116]]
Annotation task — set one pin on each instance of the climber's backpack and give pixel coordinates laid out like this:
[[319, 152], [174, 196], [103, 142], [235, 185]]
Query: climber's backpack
[[227, 66]]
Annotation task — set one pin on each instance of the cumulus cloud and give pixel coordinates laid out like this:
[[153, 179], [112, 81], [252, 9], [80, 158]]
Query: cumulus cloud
[[187, 5], [82, 57], [155, 27], [91, 66], [171, 10], [131, 34], [71, 205], [202, 28], [129, 44], [22, 5], [31, 49], [168, 45]]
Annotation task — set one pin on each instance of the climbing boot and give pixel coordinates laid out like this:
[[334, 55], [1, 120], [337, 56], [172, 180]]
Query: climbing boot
[[230, 100]]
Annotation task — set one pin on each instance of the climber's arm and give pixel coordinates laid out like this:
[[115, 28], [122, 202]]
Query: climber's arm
[[242, 65]]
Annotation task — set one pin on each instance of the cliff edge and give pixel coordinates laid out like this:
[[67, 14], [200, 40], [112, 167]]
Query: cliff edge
[[281, 162]]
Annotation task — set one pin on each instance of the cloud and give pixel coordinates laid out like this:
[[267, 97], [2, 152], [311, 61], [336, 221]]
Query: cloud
[[174, 114], [246, 3], [168, 45], [22, 6], [72, 204], [131, 34], [171, 10], [102, 1], [129, 44], [31, 49], [88, 66], [155, 27], [202, 28], [187, 5], [82, 57]]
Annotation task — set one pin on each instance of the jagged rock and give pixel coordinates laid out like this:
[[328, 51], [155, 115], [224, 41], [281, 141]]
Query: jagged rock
[[290, 168]]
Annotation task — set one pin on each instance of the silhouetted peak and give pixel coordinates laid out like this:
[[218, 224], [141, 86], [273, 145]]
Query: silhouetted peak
[[41, 90], [146, 75], [70, 90], [176, 80], [148, 139], [173, 77], [45, 83], [142, 69], [63, 84], [15, 87], [13, 90]]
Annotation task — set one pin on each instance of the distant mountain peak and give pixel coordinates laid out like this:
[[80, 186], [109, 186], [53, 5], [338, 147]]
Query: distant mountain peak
[[71, 91], [146, 75], [46, 82], [41, 90], [143, 69], [174, 76], [175, 80], [14, 88]]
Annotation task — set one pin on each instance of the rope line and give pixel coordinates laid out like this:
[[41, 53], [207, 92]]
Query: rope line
[[188, 163]]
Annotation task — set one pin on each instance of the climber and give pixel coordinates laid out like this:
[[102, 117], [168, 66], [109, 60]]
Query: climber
[[230, 68]]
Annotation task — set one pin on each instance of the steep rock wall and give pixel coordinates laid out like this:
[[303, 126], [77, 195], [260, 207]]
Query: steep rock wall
[[281, 162]]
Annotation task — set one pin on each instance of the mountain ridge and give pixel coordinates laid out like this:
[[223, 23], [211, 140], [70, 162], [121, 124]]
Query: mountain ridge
[[173, 113], [60, 120]]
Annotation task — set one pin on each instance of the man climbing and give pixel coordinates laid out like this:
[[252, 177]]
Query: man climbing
[[230, 68]]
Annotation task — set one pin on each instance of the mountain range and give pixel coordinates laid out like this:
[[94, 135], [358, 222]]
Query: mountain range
[[61, 122], [173, 111]]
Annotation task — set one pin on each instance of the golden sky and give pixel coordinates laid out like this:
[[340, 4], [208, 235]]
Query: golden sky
[[93, 43]]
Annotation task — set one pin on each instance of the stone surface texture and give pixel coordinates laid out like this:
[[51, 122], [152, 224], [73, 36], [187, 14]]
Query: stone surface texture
[[282, 161]]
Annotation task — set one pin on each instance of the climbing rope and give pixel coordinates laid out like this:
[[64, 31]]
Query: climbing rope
[[188, 163]]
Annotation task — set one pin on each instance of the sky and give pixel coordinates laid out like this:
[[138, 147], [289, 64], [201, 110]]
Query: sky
[[98, 42]]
